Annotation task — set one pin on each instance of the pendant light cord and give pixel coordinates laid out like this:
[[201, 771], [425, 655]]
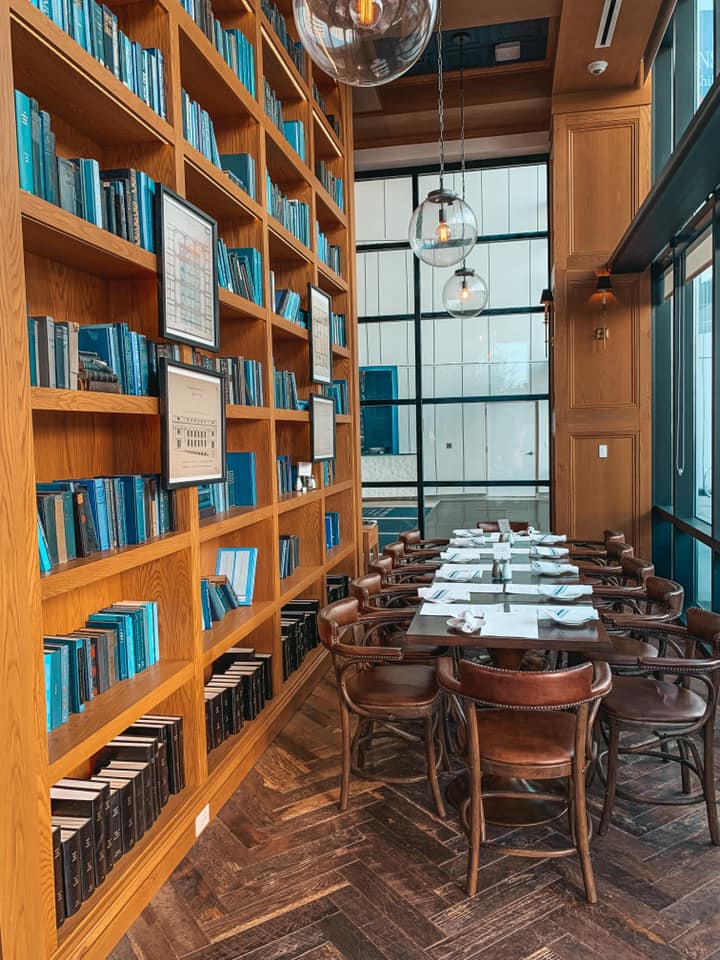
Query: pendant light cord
[[441, 107], [462, 130]]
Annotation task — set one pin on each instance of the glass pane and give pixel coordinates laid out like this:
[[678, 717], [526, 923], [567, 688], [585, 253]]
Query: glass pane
[[385, 283], [702, 313], [382, 209], [387, 443], [394, 510], [387, 360], [704, 49], [703, 575]]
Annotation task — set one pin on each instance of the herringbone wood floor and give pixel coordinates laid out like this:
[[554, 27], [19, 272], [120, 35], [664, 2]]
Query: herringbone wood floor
[[281, 873]]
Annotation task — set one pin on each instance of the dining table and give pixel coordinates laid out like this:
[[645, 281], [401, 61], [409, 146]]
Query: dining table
[[507, 648]]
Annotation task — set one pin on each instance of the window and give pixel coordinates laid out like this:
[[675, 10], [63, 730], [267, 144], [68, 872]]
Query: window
[[704, 48], [702, 392]]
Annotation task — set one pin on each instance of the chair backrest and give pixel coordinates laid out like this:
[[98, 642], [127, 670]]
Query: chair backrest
[[383, 566], [410, 537], [613, 535], [362, 588], [704, 626], [637, 570], [492, 526], [396, 551], [617, 550], [334, 617], [525, 690], [666, 595]]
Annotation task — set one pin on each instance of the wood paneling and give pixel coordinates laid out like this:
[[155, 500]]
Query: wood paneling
[[606, 489]]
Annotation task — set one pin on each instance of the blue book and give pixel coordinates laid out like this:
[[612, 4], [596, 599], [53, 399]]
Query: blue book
[[44, 550], [32, 350], [126, 652], [102, 339], [118, 493], [53, 684], [134, 502], [75, 649], [95, 488], [242, 465], [24, 141], [61, 682], [205, 602], [78, 23], [242, 166]]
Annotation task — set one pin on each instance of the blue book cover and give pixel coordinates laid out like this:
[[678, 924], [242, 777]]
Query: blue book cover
[[102, 339], [121, 510], [75, 650], [205, 601], [243, 466], [60, 705], [44, 550], [24, 140], [52, 688], [32, 350], [125, 641], [95, 489]]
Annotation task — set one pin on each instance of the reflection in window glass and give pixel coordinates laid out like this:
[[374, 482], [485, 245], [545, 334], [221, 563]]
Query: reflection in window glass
[[387, 360], [702, 314], [382, 209], [703, 575], [385, 283], [388, 445], [704, 48]]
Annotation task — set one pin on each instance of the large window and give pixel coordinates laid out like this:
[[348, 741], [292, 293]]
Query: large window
[[454, 407]]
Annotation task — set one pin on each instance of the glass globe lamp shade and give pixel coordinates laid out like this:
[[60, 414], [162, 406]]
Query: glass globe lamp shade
[[365, 43], [465, 294], [443, 229]]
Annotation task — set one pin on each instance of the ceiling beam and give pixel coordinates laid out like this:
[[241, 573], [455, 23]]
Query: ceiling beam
[[464, 13]]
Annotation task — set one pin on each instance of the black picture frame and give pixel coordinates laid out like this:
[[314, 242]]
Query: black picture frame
[[167, 203], [171, 406], [322, 413], [319, 330]]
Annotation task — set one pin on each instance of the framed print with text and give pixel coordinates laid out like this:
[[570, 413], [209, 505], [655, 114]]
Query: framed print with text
[[319, 314], [193, 425], [187, 272], [322, 428]]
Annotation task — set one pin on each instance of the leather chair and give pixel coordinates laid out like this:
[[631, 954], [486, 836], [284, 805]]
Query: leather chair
[[540, 731], [401, 554], [375, 684], [492, 526], [608, 565], [671, 711], [635, 572], [595, 547], [413, 541], [403, 567]]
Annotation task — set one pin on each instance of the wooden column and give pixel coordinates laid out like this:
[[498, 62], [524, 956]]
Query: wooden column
[[601, 387]]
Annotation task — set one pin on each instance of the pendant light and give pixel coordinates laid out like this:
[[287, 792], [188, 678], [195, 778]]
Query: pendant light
[[465, 293], [443, 229], [365, 43]]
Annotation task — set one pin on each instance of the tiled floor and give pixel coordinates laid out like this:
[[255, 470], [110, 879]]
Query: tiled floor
[[464, 512]]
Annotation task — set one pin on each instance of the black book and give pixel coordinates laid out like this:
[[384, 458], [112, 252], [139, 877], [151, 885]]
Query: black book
[[70, 802], [216, 706], [246, 675], [71, 869], [265, 660], [58, 877], [164, 732], [128, 782], [233, 655], [227, 702], [176, 762], [209, 727], [86, 850], [104, 790], [113, 822], [234, 720], [144, 797], [148, 749]]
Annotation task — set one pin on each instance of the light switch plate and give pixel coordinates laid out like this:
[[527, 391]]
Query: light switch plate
[[602, 451], [202, 819]]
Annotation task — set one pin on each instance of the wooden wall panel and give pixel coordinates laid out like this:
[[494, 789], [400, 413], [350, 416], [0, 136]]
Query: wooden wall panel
[[607, 488]]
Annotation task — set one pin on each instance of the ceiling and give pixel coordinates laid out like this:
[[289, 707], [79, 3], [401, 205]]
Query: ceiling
[[508, 101]]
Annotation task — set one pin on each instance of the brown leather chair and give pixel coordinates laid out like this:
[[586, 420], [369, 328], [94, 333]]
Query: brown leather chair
[[400, 553], [671, 711], [608, 565], [413, 541], [540, 731], [375, 685], [399, 568], [595, 548], [635, 572], [492, 526]]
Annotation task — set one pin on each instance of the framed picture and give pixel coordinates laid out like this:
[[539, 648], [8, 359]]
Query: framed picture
[[319, 313], [238, 564], [322, 428], [187, 272], [193, 425]]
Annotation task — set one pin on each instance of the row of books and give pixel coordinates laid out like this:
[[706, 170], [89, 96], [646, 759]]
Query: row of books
[[287, 305], [198, 129], [232, 45], [286, 395], [338, 329], [240, 271], [330, 117], [286, 474], [294, 215], [243, 378], [239, 490], [332, 529], [96, 821], [334, 185], [328, 252], [338, 586], [239, 688], [120, 201], [95, 27], [294, 131], [115, 644], [289, 554], [77, 518], [293, 47], [328, 472], [298, 633], [338, 391], [240, 167], [217, 597]]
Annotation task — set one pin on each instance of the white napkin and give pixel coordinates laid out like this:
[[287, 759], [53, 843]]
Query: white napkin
[[577, 614], [468, 541], [516, 624], [471, 623], [457, 591], [461, 573], [464, 556], [525, 589], [548, 568], [455, 609], [550, 551], [468, 533], [559, 591], [548, 538]]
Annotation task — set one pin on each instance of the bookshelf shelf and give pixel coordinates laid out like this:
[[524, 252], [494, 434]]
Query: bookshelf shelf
[[343, 418], [236, 625], [338, 554], [283, 329], [292, 416], [235, 307], [284, 246], [292, 501], [302, 579], [223, 523], [212, 190], [110, 713], [282, 73], [331, 281], [242, 412], [87, 401], [338, 488], [83, 572], [54, 233], [341, 351], [327, 208], [329, 143], [68, 81], [284, 164]]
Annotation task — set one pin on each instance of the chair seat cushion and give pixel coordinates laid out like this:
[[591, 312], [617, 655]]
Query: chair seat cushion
[[526, 737], [394, 685], [627, 650], [646, 700]]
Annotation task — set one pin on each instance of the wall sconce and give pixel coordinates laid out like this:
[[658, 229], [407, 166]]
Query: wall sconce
[[604, 290], [546, 299]]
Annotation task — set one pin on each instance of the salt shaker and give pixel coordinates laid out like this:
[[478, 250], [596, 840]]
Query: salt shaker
[[497, 571], [506, 571]]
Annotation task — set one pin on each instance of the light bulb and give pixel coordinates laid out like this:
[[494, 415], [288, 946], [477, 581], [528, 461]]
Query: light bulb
[[464, 292], [366, 13], [443, 233], [443, 229]]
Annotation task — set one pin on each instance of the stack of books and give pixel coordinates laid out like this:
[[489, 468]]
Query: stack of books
[[240, 271], [115, 644], [293, 47], [232, 45], [243, 378], [328, 252], [294, 131], [328, 472], [121, 201], [272, 104], [294, 215], [217, 597], [338, 391], [240, 167], [289, 554], [77, 518], [240, 686], [286, 395], [338, 586], [332, 529], [287, 305], [286, 475], [95, 27], [298, 633], [239, 490], [338, 332], [198, 129], [334, 185], [96, 821], [331, 118]]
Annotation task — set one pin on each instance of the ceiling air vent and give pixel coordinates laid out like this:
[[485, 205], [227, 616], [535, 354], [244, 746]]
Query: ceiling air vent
[[608, 21]]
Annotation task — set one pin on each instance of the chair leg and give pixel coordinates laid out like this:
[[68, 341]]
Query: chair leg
[[346, 757], [709, 782], [432, 765], [582, 838], [685, 776], [611, 783]]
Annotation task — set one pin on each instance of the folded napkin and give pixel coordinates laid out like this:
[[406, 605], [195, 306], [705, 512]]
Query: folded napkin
[[461, 573], [548, 568], [550, 551], [464, 556], [559, 591], [471, 623], [548, 537], [457, 591], [468, 533], [468, 541], [577, 614], [478, 610]]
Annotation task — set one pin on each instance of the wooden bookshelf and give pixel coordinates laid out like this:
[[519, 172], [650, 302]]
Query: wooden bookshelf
[[58, 264]]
